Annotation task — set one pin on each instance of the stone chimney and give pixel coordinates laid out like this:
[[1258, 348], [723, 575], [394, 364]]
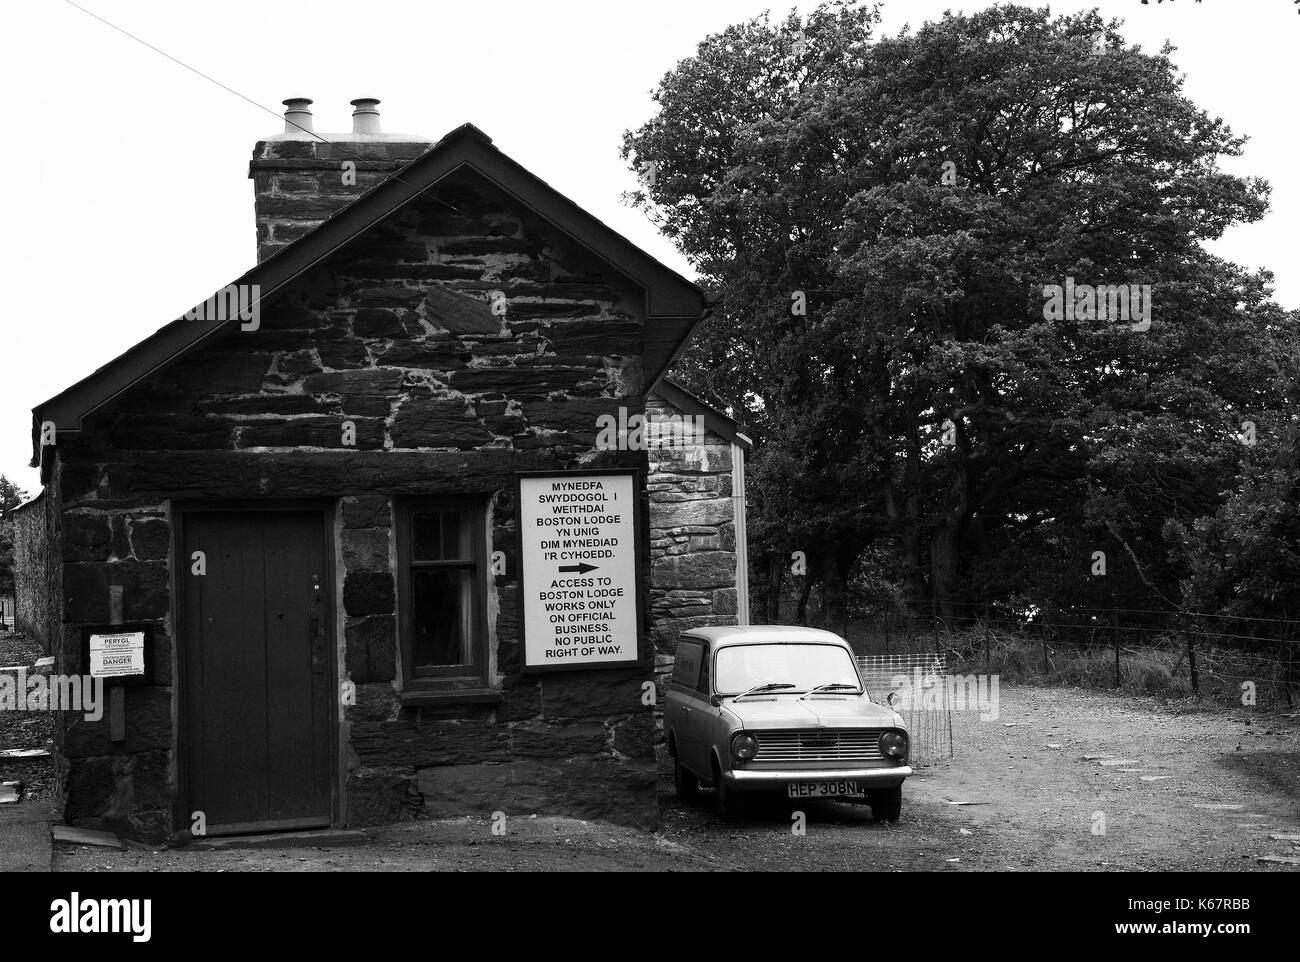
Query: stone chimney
[[301, 178]]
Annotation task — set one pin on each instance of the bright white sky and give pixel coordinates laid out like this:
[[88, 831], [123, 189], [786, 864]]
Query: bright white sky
[[127, 198]]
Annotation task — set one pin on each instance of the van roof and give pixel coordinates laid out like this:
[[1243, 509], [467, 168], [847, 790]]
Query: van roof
[[761, 634]]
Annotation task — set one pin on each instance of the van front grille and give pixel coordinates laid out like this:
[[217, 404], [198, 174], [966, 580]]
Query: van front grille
[[818, 745]]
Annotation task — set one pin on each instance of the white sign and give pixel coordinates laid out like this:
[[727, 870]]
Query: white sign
[[579, 581], [112, 655]]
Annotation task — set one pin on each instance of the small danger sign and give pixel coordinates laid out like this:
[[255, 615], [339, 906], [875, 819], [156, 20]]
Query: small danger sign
[[112, 656], [579, 573]]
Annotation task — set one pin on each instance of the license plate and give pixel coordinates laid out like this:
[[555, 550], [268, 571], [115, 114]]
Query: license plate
[[823, 790]]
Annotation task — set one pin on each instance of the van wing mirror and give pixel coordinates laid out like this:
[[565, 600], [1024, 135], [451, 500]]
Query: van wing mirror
[[715, 700]]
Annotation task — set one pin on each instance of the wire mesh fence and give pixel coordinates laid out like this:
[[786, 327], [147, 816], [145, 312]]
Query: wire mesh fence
[[1243, 659], [920, 680]]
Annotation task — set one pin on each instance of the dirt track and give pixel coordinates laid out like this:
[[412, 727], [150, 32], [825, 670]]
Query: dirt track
[[1032, 809]]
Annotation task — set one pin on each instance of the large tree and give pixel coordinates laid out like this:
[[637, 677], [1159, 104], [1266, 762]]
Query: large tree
[[917, 193]]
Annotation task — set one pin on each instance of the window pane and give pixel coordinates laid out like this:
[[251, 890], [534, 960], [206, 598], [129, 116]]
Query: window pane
[[451, 528], [686, 664], [441, 536], [427, 536], [741, 667], [441, 616]]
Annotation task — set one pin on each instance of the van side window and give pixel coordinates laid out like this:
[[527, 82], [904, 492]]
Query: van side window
[[703, 687], [686, 664]]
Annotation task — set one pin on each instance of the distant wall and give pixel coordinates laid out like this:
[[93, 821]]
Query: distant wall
[[35, 589]]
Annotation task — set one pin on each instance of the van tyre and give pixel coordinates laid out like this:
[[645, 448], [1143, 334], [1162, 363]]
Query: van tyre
[[685, 783], [731, 803], [886, 804]]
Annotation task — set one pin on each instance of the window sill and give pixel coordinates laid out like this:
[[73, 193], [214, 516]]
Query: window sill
[[417, 698]]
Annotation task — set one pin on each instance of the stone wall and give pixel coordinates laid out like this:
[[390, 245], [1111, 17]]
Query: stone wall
[[300, 180], [693, 534], [36, 587], [395, 338], [693, 543]]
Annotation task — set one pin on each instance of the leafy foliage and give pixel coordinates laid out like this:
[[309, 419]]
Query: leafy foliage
[[917, 192], [11, 496]]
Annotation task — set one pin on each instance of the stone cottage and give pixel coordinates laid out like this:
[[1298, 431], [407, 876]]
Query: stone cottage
[[346, 528]]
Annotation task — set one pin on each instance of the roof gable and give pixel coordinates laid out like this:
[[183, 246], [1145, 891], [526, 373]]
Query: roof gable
[[714, 419]]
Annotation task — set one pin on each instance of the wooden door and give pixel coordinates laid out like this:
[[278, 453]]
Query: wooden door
[[258, 671]]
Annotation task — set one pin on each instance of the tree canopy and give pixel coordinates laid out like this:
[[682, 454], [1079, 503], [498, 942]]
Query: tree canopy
[[885, 217]]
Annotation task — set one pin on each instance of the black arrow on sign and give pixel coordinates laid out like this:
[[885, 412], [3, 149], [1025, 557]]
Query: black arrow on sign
[[582, 569]]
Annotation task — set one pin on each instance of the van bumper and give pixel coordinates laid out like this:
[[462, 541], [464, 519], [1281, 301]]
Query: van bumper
[[767, 780]]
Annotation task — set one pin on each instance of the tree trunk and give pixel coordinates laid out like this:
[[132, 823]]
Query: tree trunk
[[801, 615], [836, 566], [944, 564], [904, 510], [775, 568], [946, 542]]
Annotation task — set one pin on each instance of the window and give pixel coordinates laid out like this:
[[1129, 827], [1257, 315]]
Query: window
[[803, 666], [443, 594], [686, 664]]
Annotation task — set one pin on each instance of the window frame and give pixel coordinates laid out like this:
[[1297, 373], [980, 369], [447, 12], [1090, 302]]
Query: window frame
[[450, 678], [704, 683]]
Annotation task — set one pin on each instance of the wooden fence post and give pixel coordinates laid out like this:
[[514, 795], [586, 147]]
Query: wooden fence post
[[1114, 638], [1047, 663], [1287, 644], [986, 637], [1191, 658], [1286, 678]]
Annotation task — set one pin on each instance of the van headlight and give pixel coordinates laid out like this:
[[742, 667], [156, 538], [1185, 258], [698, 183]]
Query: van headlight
[[744, 747], [893, 743]]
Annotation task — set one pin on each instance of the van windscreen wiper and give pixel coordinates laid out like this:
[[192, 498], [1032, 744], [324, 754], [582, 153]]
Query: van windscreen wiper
[[833, 686], [772, 686]]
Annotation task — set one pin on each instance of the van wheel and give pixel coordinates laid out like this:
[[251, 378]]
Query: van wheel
[[731, 803], [887, 804], [686, 784]]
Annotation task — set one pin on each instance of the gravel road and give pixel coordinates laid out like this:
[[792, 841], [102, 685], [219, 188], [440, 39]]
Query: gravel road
[[1173, 788]]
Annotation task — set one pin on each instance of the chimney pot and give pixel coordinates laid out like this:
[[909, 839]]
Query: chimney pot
[[297, 115], [365, 119]]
